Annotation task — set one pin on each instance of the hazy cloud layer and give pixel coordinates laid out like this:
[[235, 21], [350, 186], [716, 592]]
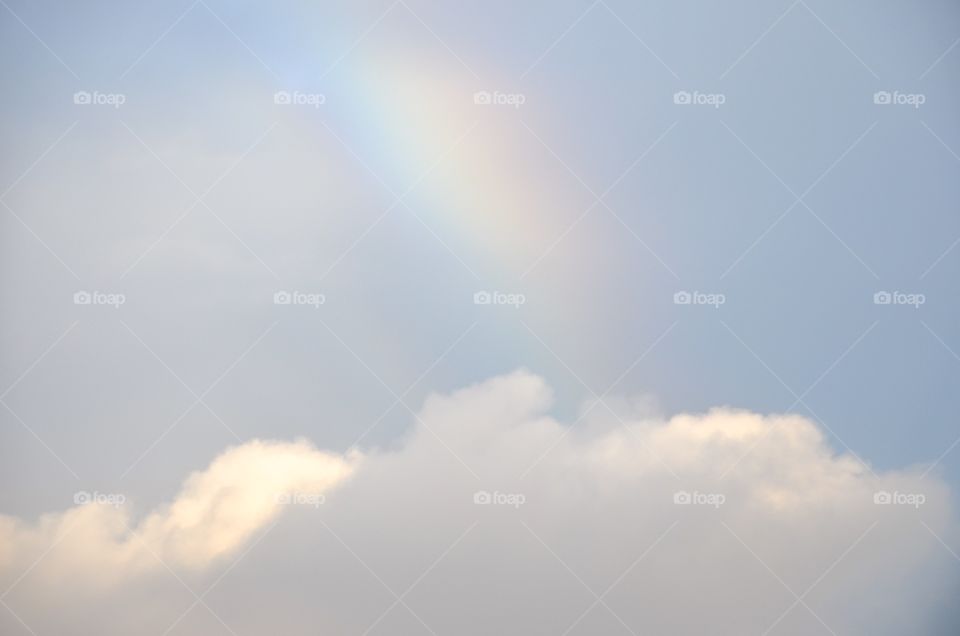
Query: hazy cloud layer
[[492, 517]]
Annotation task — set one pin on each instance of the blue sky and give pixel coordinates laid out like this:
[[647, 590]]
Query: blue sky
[[793, 193]]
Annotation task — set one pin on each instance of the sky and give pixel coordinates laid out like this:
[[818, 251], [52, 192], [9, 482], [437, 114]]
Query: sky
[[409, 317]]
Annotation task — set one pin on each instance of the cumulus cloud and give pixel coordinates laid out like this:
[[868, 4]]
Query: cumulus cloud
[[493, 517], [215, 513]]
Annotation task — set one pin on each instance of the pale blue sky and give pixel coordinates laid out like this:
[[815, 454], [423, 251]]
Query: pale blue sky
[[798, 199]]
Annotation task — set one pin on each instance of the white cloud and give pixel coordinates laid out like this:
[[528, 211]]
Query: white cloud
[[779, 512], [215, 513]]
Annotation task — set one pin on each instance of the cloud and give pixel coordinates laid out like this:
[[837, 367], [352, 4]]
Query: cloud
[[492, 516], [215, 513]]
